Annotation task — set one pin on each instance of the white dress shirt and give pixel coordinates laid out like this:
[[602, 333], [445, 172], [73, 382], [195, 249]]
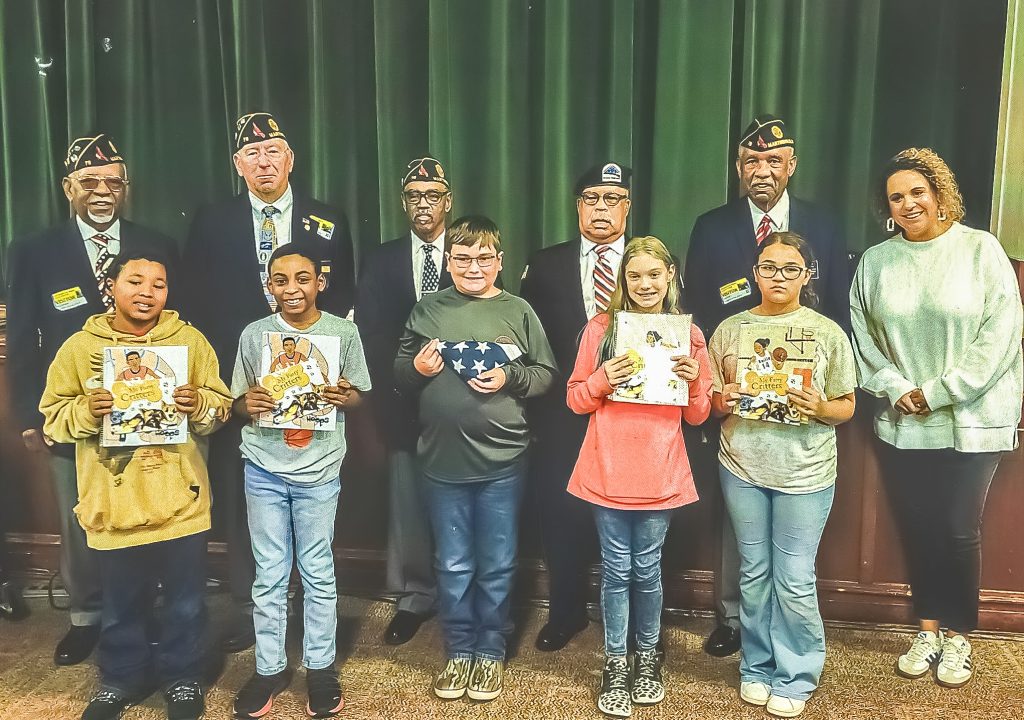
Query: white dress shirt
[[436, 250], [588, 259], [779, 214], [88, 232]]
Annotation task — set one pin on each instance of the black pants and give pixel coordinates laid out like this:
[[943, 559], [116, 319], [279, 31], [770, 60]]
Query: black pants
[[230, 517], [938, 497]]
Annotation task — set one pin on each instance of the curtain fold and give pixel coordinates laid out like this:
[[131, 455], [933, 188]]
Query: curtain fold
[[515, 97]]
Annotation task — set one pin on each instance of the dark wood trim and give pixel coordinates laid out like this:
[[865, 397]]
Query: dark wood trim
[[362, 572]]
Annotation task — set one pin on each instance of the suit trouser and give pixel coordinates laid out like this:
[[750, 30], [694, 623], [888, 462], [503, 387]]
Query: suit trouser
[[79, 564], [410, 560], [228, 489]]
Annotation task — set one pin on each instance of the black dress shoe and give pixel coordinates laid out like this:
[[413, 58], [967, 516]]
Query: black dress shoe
[[77, 645], [12, 604], [241, 636], [552, 637], [722, 642], [403, 627]]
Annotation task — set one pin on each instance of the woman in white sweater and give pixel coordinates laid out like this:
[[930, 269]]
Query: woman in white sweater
[[937, 325]]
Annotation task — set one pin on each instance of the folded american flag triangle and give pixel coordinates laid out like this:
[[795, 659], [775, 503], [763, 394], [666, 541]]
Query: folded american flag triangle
[[469, 358]]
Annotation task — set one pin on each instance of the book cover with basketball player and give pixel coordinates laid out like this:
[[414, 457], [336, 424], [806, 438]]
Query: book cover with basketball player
[[651, 340], [770, 360], [142, 380], [295, 369]]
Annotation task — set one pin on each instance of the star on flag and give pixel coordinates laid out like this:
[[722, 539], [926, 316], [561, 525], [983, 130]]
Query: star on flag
[[485, 356]]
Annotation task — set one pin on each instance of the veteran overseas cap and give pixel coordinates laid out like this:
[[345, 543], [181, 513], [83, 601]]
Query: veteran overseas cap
[[425, 169], [256, 127], [90, 152], [607, 174], [766, 132]]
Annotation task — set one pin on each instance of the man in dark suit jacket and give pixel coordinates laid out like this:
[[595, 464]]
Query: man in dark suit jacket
[[719, 280], [564, 286], [57, 280], [224, 276], [393, 278]]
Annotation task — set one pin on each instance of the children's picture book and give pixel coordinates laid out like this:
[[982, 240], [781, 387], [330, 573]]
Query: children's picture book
[[771, 360], [142, 380], [295, 369], [651, 341]]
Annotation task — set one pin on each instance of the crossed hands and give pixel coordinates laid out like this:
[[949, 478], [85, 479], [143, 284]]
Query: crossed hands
[[913, 403]]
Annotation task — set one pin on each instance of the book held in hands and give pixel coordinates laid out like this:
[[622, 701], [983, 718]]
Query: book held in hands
[[142, 380], [773, 359], [651, 341], [295, 369]]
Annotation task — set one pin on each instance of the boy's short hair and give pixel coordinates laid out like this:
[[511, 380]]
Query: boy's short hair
[[302, 248], [287, 339], [132, 352], [144, 253], [468, 230]]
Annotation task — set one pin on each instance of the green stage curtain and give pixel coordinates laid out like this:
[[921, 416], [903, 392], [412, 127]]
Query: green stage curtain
[[516, 97]]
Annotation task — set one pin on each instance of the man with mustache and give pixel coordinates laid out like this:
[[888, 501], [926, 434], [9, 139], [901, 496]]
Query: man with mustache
[[719, 282], [394, 277], [225, 278], [57, 280]]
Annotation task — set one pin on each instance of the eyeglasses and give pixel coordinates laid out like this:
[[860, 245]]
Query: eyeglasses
[[91, 182], [433, 197], [610, 199], [789, 272], [464, 262]]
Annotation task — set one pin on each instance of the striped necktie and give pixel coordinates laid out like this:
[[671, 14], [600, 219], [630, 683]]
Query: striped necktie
[[101, 268], [764, 229], [604, 279]]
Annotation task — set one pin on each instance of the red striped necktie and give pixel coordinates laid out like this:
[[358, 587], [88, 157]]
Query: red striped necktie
[[604, 279], [764, 229], [101, 267]]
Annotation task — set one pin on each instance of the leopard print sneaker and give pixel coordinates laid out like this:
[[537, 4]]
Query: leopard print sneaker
[[648, 688], [614, 698]]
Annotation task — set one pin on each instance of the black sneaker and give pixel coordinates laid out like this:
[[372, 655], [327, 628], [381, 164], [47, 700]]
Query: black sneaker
[[648, 688], [614, 698], [324, 692], [185, 701], [106, 705], [256, 697]]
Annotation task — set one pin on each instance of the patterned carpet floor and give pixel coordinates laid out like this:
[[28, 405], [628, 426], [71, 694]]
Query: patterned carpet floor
[[388, 683]]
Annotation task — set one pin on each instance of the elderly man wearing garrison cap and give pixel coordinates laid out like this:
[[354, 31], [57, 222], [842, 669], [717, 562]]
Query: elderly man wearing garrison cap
[[57, 280], [224, 273], [567, 284], [720, 282], [394, 277]]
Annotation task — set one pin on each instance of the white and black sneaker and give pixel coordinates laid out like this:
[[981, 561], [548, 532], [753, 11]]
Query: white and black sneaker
[[921, 657], [614, 699], [648, 689], [955, 668]]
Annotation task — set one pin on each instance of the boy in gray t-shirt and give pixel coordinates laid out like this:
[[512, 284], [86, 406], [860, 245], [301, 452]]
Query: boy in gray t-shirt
[[292, 486]]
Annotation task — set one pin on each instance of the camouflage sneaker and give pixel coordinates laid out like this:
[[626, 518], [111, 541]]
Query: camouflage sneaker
[[454, 679], [485, 682]]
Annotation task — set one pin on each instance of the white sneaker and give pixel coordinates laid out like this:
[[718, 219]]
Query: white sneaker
[[784, 707], [755, 693], [922, 655], [955, 668]]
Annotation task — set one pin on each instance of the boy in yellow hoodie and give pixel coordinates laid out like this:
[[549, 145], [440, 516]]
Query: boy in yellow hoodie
[[147, 508]]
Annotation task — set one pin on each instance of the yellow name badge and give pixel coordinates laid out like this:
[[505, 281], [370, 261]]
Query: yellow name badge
[[325, 228], [735, 290], [67, 299]]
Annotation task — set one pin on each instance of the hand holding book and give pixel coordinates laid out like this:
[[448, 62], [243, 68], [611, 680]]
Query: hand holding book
[[186, 399], [340, 395], [808, 401], [687, 368], [619, 369], [257, 401], [101, 402]]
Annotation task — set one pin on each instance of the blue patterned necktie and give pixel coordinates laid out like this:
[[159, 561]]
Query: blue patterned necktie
[[268, 243], [430, 276]]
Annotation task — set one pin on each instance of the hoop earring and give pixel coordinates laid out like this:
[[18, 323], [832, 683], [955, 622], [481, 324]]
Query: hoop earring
[[890, 225], [943, 217]]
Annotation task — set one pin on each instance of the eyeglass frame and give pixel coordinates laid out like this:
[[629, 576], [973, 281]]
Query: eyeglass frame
[[409, 195], [462, 262], [106, 180], [596, 197], [780, 270]]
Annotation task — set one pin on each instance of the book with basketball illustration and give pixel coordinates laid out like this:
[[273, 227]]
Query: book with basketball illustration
[[142, 380], [651, 341], [771, 360], [295, 369]]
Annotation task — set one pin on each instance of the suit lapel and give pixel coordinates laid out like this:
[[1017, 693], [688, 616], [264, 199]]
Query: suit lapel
[[575, 284], [242, 244]]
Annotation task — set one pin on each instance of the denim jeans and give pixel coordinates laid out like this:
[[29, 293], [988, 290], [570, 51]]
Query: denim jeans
[[127, 663], [476, 531], [631, 542], [780, 625], [281, 514]]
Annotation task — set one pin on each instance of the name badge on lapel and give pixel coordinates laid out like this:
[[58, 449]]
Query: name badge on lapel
[[67, 299], [731, 292], [324, 228]]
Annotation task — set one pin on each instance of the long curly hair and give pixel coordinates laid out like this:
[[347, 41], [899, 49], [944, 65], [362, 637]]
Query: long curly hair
[[934, 169]]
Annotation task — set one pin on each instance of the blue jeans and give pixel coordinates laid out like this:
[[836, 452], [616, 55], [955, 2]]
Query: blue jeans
[[780, 625], [631, 542], [127, 663], [476, 531], [281, 514]]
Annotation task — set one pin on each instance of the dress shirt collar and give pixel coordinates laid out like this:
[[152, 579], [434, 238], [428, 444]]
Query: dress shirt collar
[[88, 232]]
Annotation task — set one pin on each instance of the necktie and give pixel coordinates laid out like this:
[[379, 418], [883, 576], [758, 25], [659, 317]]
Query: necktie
[[268, 243], [430, 276], [764, 229], [604, 279], [102, 267]]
